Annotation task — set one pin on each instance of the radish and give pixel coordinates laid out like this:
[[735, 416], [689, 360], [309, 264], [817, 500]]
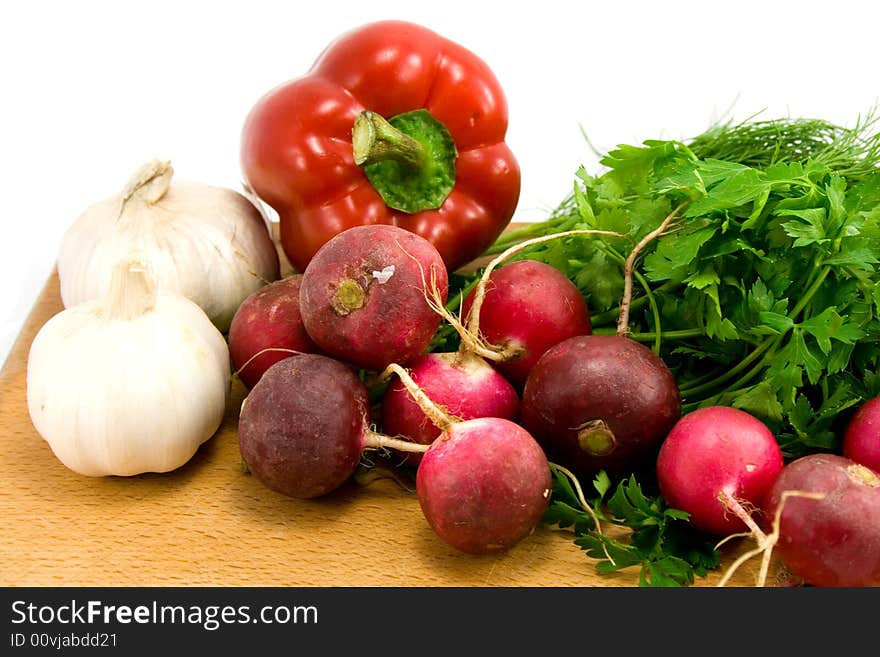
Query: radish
[[267, 327], [831, 538], [527, 307], [464, 384], [305, 424], [861, 439], [363, 295], [484, 483], [717, 464], [602, 402]]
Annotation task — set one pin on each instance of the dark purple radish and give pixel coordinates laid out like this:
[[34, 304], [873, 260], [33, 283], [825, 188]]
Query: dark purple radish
[[603, 402], [600, 402], [303, 427], [824, 512], [364, 298], [527, 307], [718, 463], [267, 327], [861, 440], [463, 384], [483, 485]]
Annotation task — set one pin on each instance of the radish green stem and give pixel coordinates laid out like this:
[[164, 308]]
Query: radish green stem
[[530, 231], [655, 310]]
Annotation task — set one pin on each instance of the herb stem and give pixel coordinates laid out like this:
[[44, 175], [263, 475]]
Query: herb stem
[[648, 336], [655, 310], [811, 291], [533, 229], [611, 314], [729, 374]]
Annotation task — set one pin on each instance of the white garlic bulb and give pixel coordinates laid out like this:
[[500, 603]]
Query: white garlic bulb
[[210, 244], [129, 383]]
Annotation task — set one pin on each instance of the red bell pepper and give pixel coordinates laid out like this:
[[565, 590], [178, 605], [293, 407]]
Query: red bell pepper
[[319, 150]]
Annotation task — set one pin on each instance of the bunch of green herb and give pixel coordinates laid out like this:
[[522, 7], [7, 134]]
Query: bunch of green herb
[[658, 539], [764, 297]]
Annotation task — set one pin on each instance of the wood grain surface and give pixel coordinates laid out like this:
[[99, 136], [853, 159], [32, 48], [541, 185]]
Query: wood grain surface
[[208, 523]]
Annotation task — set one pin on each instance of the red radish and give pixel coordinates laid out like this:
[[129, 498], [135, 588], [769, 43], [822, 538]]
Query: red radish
[[599, 402], [861, 440], [717, 463], [528, 307], [364, 299], [267, 327], [832, 539], [304, 426], [465, 385], [483, 484]]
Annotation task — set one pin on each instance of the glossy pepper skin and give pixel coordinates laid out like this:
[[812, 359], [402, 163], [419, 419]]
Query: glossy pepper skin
[[296, 150]]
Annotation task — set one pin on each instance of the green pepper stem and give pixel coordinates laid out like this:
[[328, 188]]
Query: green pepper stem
[[374, 139]]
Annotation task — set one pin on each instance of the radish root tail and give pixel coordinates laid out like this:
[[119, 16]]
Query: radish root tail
[[629, 266], [293, 352], [766, 542]]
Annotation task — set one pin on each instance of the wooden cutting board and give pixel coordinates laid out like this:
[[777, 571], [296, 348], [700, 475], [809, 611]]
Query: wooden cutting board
[[210, 524]]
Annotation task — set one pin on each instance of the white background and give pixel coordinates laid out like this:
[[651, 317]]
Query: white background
[[91, 90]]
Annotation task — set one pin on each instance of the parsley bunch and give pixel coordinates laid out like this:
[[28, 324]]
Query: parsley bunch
[[764, 297]]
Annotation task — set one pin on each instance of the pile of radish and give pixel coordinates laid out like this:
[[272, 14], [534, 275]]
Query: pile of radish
[[365, 302], [336, 362]]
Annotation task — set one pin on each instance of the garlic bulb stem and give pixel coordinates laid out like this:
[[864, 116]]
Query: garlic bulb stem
[[132, 291], [148, 184]]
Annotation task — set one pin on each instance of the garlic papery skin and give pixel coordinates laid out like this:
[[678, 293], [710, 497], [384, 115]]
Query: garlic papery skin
[[130, 383], [210, 244]]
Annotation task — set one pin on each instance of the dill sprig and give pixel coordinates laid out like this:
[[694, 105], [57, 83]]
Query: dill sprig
[[850, 151]]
